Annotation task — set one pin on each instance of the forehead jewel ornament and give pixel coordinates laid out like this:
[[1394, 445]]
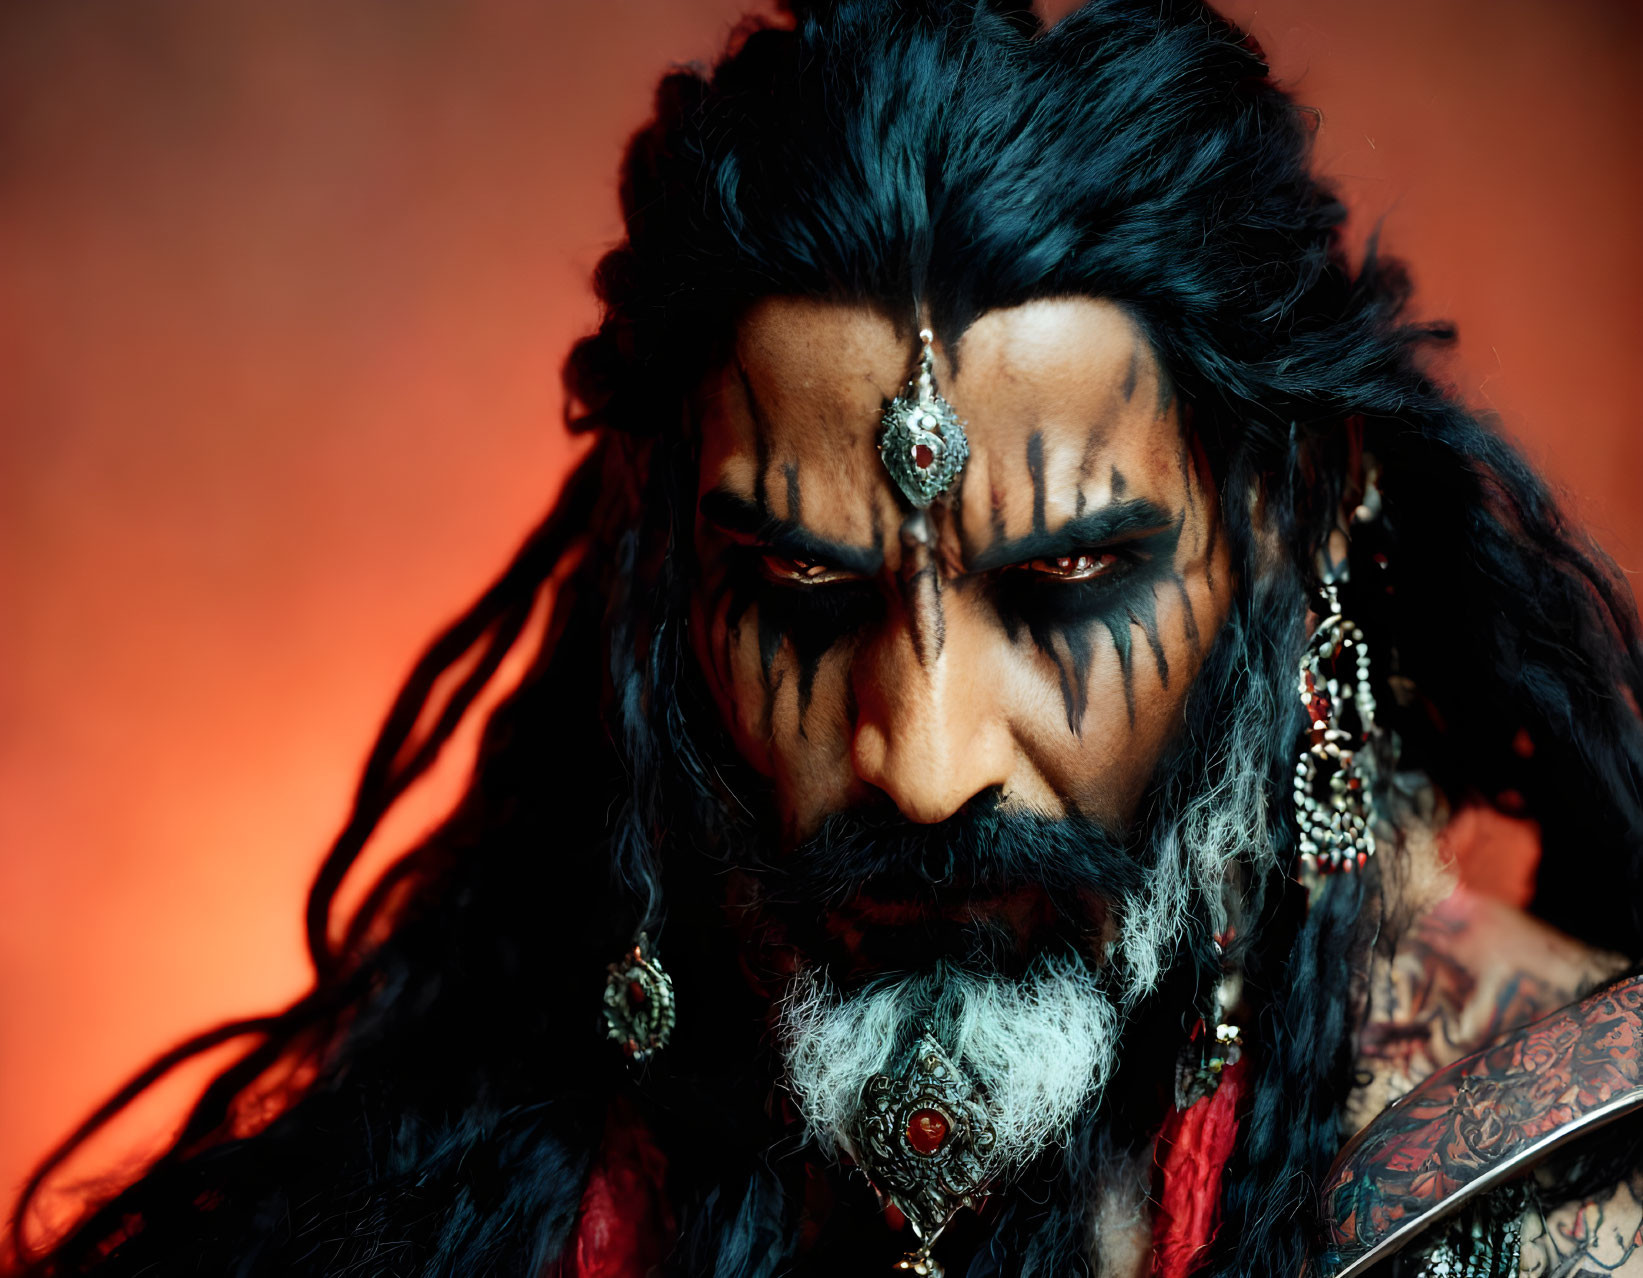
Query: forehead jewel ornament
[[922, 441]]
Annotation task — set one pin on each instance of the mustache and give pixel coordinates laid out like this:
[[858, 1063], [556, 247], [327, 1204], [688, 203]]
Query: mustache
[[982, 849]]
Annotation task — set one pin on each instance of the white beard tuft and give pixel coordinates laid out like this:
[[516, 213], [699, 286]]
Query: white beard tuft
[[1041, 1047]]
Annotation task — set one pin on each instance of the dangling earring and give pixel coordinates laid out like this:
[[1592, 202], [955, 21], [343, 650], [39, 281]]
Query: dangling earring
[[1216, 1043], [639, 1013], [1336, 773]]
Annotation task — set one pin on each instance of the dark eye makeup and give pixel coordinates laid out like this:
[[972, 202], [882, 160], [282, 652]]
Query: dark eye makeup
[[810, 602], [782, 570], [1086, 584], [814, 605], [1062, 589], [1083, 565]]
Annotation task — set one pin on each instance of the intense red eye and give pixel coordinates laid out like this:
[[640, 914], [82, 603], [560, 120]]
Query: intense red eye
[[1075, 567], [804, 572]]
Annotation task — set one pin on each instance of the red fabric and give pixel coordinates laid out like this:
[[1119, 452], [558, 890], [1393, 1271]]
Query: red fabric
[[626, 1223], [1193, 1149]]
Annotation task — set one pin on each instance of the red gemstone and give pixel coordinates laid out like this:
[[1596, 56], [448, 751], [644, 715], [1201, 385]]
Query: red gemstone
[[636, 992], [923, 456], [926, 1130]]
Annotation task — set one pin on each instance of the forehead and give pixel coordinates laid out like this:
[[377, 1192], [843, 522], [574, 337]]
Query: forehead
[[1063, 402]]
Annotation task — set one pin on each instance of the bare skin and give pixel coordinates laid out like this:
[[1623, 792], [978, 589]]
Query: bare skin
[[1602, 1236], [1033, 636], [1035, 632], [1467, 971]]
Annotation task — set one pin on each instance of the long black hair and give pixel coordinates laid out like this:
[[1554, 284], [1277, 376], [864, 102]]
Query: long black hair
[[433, 1104]]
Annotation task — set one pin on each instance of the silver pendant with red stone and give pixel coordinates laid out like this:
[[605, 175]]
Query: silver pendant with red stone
[[925, 1140], [922, 442], [639, 1013]]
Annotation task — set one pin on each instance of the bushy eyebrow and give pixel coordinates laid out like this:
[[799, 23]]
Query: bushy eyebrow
[[734, 514], [1099, 527]]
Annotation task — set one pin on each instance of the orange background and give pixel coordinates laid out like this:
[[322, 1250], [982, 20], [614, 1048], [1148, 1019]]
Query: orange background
[[284, 288]]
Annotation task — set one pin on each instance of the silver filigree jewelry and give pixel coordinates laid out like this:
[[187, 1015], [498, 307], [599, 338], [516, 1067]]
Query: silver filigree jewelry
[[639, 1011], [1336, 773], [926, 1142], [1216, 1043], [922, 443]]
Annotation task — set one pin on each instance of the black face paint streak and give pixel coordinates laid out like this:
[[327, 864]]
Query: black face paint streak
[[1119, 629], [741, 518], [767, 719], [1145, 615], [1119, 483], [771, 636], [1035, 469], [1072, 684], [1189, 476], [995, 516], [1061, 616], [1094, 442], [1189, 618], [761, 443], [795, 499], [920, 584], [1078, 505], [1132, 374], [1072, 668], [1213, 518], [927, 624], [810, 619], [1166, 388]]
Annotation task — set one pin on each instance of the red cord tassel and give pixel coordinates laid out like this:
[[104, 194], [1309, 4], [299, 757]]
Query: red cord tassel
[[626, 1225], [1193, 1149]]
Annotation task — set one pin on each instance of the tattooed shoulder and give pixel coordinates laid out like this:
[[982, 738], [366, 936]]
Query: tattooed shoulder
[[1467, 971], [1600, 1237]]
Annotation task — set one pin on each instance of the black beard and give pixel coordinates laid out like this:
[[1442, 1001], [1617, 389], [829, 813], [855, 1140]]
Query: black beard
[[871, 893], [720, 1080]]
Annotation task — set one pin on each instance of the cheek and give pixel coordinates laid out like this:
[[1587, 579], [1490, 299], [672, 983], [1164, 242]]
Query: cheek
[[1139, 670], [756, 685], [727, 654]]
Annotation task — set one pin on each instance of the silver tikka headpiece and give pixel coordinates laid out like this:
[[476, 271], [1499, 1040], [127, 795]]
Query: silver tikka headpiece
[[922, 443]]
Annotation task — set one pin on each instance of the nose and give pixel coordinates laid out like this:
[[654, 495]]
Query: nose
[[929, 731]]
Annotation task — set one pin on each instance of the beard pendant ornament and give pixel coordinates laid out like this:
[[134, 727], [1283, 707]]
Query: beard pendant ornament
[[925, 1141], [922, 443]]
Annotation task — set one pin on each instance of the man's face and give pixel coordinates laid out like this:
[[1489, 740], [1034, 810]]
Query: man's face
[[1032, 635]]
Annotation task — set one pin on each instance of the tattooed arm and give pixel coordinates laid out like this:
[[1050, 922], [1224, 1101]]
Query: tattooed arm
[[1599, 1238]]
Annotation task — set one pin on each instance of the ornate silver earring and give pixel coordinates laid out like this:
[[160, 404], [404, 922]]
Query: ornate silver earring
[[639, 1012], [1336, 773], [1216, 1043]]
